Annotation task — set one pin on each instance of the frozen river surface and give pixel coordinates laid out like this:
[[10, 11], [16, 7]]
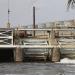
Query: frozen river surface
[[36, 69]]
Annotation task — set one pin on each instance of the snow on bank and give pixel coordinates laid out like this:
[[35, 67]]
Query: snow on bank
[[67, 60]]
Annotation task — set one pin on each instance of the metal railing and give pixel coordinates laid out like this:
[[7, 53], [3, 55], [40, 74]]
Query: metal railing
[[6, 36]]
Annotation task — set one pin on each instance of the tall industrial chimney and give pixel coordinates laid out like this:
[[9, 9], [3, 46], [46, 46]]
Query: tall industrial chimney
[[33, 20]]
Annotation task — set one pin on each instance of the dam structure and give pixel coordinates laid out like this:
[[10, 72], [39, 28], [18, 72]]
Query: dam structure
[[49, 44]]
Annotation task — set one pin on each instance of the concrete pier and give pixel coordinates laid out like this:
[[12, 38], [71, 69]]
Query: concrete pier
[[55, 52], [18, 54], [55, 55]]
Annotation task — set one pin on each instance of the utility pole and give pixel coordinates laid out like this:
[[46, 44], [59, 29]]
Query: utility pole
[[33, 20], [8, 24]]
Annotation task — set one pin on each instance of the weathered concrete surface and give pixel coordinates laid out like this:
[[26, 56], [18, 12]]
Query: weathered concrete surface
[[18, 55], [36, 69]]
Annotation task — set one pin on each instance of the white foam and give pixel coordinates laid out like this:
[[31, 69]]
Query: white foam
[[67, 60]]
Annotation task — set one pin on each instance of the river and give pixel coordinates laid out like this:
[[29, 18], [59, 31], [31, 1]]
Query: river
[[36, 69]]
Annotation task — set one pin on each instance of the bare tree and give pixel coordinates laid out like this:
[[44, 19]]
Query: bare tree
[[71, 4]]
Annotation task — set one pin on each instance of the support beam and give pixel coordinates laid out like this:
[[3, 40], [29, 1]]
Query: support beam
[[41, 46], [47, 29]]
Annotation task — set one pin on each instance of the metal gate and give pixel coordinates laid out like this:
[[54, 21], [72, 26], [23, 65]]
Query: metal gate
[[6, 36]]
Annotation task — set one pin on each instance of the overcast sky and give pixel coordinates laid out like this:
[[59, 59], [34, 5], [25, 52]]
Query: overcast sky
[[46, 11]]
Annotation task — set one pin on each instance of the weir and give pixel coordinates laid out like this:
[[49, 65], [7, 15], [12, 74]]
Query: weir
[[18, 44]]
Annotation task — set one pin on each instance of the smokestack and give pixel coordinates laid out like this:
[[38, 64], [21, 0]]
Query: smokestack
[[33, 20]]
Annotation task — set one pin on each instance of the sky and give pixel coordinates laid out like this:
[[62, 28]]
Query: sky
[[46, 11]]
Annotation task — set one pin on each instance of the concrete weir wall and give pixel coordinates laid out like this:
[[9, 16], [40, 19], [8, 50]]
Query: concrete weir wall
[[12, 44], [14, 51]]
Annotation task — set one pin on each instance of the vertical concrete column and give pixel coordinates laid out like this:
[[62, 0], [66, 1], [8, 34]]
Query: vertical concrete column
[[18, 54], [52, 34], [55, 53], [51, 37]]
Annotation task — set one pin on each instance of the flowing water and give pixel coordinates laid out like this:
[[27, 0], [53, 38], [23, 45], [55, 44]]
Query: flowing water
[[36, 69]]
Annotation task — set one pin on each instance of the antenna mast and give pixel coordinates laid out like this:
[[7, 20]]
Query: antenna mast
[[8, 24]]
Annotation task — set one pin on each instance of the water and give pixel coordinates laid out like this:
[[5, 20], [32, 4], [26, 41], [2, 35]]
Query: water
[[36, 69]]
